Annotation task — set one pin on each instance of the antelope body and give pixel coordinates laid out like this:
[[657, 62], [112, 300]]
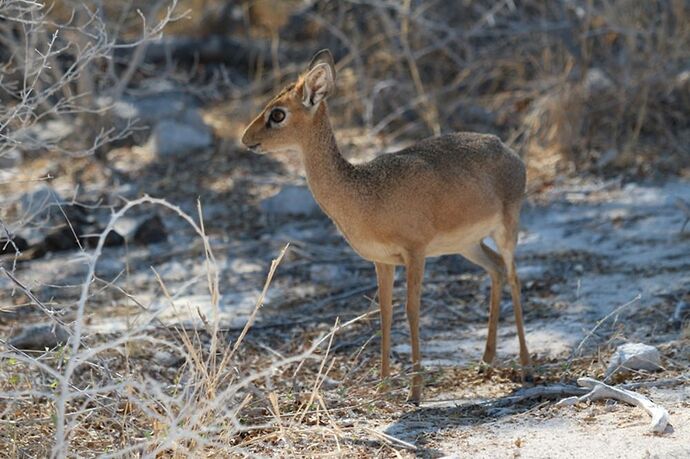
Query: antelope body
[[443, 195]]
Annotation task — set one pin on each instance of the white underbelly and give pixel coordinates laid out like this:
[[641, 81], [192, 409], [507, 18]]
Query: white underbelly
[[453, 242], [379, 252], [457, 241]]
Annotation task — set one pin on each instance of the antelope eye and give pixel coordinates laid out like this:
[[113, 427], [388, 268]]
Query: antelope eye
[[277, 115]]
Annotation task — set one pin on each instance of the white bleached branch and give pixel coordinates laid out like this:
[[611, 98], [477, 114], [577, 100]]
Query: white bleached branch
[[599, 391]]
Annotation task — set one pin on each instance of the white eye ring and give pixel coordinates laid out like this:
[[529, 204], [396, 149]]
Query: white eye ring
[[277, 116]]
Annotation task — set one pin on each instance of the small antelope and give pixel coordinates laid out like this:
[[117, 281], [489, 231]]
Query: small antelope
[[443, 195]]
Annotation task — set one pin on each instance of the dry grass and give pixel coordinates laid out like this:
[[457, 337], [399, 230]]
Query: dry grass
[[578, 86], [598, 87]]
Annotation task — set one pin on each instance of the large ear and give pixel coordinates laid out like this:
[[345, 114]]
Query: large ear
[[319, 81], [323, 56]]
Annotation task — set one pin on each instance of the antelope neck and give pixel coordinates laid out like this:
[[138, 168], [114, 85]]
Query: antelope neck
[[330, 176]]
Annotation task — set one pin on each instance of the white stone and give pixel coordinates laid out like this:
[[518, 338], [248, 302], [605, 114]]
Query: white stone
[[170, 138], [152, 108], [597, 81], [291, 200], [634, 356]]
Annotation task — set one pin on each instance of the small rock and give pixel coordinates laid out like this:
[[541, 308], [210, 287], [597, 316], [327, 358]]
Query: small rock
[[149, 110], [151, 231], [682, 80], [127, 226], [330, 383], [597, 81], [10, 158], [634, 356], [291, 200], [40, 337], [170, 138], [152, 108], [167, 359]]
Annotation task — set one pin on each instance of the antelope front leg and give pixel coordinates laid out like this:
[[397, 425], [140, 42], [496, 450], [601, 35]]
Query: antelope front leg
[[415, 276], [384, 276]]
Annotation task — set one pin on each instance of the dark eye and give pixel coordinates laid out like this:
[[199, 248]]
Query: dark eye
[[277, 115]]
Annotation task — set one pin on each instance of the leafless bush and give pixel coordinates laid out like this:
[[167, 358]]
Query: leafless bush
[[580, 84], [199, 410], [56, 67], [59, 60]]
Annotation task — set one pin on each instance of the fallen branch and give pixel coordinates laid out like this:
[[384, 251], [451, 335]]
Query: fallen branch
[[553, 391], [599, 391]]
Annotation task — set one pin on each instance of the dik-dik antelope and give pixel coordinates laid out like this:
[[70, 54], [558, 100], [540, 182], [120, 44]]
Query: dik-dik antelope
[[443, 195]]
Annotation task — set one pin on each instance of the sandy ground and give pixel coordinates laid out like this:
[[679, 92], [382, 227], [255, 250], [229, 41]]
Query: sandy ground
[[588, 251], [626, 243], [606, 430]]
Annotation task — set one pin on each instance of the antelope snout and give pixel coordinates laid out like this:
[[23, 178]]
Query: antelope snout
[[248, 139], [251, 142]]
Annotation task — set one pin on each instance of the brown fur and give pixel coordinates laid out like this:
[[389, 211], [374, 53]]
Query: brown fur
[[442, 195]]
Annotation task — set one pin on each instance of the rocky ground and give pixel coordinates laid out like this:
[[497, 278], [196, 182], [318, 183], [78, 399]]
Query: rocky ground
[[602, 263]]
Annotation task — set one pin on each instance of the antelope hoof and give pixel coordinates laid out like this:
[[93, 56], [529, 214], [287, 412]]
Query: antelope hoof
[[488, 358], [415, 395]]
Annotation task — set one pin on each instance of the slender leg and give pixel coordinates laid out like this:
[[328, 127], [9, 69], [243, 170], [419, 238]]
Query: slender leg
[[384, 276], [415, 276], [517, 307], [507, 240], [484, 256]]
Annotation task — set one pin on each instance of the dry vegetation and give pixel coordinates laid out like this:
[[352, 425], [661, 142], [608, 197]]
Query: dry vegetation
[[596, 88]]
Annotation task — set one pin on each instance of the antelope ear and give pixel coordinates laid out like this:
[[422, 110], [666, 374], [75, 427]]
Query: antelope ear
[[324, 56], [319, 81], [318, 84]]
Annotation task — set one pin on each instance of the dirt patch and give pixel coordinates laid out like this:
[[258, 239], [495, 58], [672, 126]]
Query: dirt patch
[[600, 263]]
